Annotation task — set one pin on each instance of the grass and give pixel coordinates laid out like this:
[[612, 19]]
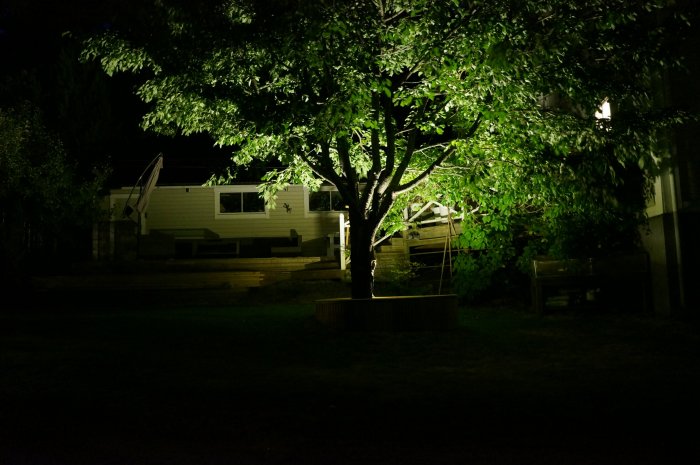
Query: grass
[[254, 379]]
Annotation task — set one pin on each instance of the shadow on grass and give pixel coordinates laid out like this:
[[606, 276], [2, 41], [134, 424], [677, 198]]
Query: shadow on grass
[[254, 379]]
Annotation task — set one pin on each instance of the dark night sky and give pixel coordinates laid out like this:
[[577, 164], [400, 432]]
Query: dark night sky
[[32, 35]]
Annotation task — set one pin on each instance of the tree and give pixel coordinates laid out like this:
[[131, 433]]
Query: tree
[[47, 210], [375, 96]]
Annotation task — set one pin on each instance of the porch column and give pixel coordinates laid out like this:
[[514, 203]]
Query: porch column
[[341, 221]]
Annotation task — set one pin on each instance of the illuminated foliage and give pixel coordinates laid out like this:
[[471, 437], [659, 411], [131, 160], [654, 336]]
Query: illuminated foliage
[[495, 98]]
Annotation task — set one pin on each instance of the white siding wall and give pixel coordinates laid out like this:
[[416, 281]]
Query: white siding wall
[[195, 207], [180, 207]]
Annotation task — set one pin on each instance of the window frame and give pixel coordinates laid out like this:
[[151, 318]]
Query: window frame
[[241, 189], [307, 197]]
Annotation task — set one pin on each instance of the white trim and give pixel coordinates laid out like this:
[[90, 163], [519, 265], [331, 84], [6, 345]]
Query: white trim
[[341, 226], [673, 184], [218, 190]]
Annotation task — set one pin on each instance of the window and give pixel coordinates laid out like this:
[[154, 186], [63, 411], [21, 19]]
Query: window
[[237, 201], [603, 116], [604, 110], [326, 200], [240, 202]]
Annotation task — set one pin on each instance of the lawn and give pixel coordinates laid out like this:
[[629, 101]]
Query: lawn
[[254, 379]]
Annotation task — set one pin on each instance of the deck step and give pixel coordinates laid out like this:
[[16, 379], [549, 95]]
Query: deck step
[[153, 281], [237, 273], [205, 264]]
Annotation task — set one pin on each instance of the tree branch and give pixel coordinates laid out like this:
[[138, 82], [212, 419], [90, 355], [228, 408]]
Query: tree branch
[[375, 148], [424, 175], [343, 146], [390, 131], [376, 172], [322, 166], [393, 182]]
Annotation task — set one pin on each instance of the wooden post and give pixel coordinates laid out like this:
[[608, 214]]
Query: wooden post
[[341, 221]]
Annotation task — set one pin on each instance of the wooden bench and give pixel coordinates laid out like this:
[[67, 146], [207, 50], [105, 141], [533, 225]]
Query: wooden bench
[[202, 242], [604, 281], [216, 247], [187, 233], [287, 245], [192, 242]]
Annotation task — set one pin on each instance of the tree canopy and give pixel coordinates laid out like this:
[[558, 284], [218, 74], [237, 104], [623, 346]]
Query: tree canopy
[[377, 96]]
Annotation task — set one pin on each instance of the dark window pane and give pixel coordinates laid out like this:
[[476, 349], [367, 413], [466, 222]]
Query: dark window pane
[[230, 202], [336, 201], [319, 201], [325, 201], [252, 202]]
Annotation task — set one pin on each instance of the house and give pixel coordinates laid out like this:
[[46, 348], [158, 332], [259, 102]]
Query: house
[[191, 221], [233, 221], [674, 213], [218, 221]]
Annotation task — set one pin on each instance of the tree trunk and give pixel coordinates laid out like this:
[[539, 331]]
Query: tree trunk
[[362, 259]]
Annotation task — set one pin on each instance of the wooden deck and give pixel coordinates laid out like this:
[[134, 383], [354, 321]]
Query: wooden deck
[[232, 274], [235, 272]]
